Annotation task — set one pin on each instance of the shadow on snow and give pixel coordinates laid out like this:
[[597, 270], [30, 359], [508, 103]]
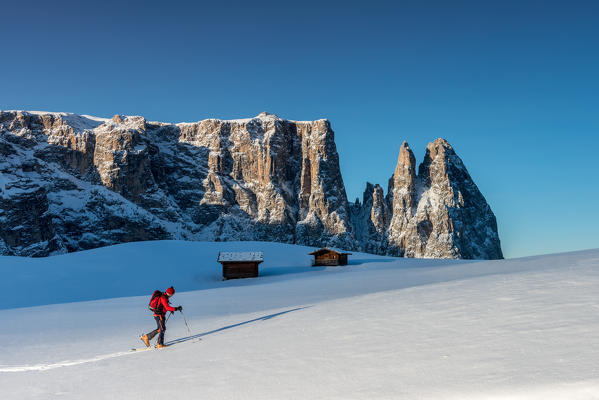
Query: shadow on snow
[[224, 328]]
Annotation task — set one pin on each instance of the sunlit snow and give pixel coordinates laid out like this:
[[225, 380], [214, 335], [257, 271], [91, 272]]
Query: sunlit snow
[[378, 328]]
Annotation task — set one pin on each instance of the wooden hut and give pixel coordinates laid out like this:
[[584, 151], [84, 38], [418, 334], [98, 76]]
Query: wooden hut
[[329, 257], [240, 265]]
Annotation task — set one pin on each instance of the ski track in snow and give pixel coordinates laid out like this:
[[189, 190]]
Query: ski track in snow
[[68, 363]]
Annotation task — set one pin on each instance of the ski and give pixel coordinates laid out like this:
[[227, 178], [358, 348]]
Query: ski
[[143, 348]]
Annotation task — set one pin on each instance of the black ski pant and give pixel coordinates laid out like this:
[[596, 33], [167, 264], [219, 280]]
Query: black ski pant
[[160, 328]]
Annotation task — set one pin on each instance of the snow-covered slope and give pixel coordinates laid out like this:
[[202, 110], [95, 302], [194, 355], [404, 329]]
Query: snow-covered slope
[[378, 328]]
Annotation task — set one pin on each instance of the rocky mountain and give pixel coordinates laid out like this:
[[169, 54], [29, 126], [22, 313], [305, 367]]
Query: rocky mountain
[[71, 182], [438, 212]]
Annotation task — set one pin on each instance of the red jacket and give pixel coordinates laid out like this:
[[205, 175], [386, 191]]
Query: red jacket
[[165, 305]]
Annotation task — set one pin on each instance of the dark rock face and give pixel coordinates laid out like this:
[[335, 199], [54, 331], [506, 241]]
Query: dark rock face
[[26, 224], [70, 182], [370, 220]]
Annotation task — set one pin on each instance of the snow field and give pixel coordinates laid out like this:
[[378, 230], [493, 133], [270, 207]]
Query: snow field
[[381, 328]]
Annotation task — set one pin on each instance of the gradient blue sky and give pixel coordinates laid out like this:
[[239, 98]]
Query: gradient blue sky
[[512, 85]]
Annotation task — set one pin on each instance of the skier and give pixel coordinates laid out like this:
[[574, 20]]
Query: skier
[[160, 305]]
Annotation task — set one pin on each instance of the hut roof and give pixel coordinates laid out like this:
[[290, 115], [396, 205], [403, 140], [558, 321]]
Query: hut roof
[[326, 250], [241, 257]]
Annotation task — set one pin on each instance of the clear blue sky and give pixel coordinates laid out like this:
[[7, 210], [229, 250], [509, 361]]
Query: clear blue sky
[[512, 85]]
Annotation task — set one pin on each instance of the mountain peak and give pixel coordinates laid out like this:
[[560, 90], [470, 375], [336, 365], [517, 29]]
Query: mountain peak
[[265, 114]]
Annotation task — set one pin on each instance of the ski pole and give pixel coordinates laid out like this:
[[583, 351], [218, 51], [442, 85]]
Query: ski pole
[[187, 325], [184, 320]]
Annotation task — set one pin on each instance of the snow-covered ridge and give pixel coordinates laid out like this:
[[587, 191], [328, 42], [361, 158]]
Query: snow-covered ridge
[[62, 114], [73, 117], [264, 116], [79, 123]]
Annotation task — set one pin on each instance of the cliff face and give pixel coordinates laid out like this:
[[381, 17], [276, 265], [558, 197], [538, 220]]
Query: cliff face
[[71, 182], [74, 182]]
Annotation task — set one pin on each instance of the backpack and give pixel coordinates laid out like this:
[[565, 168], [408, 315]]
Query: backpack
[[155, 305]]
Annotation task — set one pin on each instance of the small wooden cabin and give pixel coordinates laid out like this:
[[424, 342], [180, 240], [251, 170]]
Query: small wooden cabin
[[329, 257], [240, 265]]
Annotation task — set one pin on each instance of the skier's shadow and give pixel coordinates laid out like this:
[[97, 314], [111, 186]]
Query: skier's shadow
[[265, 318]]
